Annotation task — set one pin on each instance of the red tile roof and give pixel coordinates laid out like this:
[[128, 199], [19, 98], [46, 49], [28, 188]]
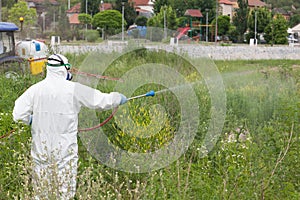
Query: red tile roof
[[140, 2], [106, 6], [193, 13], [75, 8], [73, 19], [256, 3], [226, 2], [42, 1]]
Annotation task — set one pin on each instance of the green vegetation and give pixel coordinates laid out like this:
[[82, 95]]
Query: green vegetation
[[21, 10], [110, 20], [276, 31], [257, 156]]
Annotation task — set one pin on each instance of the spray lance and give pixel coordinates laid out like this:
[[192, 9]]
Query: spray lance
[[148, 94]]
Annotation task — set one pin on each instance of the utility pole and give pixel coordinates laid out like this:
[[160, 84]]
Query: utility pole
[[206, 31], [43, 16], [165, 24], [0, 10], [123, 20], [255, 27], [54, 21], [123, 17], [86, 12], [216, 31]]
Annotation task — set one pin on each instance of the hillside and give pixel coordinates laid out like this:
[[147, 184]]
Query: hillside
[[288, 5]]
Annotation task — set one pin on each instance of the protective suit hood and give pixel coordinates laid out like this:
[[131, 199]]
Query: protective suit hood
[[56, 72]]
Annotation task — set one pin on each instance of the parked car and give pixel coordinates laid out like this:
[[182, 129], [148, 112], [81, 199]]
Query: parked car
[[292, 39]]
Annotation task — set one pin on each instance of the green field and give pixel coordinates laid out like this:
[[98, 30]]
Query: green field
[[257, 155]]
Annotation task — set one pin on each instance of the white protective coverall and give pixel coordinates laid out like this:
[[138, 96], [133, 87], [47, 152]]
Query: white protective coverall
[[54, 104]]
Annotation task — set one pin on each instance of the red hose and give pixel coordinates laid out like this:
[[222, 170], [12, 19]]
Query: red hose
[[76, 71], [80, 130], [102, 123], [7, 134]]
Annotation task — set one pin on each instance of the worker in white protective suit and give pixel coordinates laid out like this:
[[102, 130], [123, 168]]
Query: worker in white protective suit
[[52, 107]]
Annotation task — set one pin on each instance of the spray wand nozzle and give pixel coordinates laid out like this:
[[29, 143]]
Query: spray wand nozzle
[[148, 94]]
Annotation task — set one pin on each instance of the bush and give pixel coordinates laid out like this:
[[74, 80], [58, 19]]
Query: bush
[[92, 35]]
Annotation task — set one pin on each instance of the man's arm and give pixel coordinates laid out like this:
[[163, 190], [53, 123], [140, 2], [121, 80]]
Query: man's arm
[[95, 99], [23, 108]]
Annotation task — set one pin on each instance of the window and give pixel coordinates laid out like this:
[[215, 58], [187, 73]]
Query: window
[[6, 43]]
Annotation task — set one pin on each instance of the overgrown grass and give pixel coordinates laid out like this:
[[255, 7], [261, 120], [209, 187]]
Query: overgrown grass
[[257, 156]]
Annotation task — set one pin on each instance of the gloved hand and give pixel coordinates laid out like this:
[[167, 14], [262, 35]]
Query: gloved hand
[[123, 99]]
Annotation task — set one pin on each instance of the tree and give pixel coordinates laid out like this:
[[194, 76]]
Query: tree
[[129, 11], [92, 6], [276, 31], [85, 18], [223, 25], [158, 20], [141, 21], [181, 6], [8, 3], [158, 4], [110, 20], [4, 14], [240, 19], [63, 23], [283, 3], [263, 18], [294, 20], [20, 9]]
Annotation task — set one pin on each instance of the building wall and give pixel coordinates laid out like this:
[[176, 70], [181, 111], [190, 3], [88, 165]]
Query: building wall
[[227, 10]]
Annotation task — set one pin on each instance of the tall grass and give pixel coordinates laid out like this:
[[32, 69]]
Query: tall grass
[[257, 156]]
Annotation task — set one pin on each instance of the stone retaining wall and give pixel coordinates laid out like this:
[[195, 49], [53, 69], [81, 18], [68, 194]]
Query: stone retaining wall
[[216, 52]]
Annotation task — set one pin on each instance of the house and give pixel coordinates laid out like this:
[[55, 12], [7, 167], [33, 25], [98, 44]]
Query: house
[[41, 5], [252, 4], [143, 7], [226, 7], [105, 6], [72, 14], [74, 11], [296, 29], [283, 12], [42, 8]]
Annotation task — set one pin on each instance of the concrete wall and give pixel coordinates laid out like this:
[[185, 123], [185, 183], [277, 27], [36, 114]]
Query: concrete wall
[[215, 52]]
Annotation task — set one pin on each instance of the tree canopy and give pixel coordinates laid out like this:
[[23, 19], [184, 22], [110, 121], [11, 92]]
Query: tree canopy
[[129, 11], [276, 31], [20, 9], [181, 6], [141, 21], [223, 24], [158, 20], [110, 20], [85, 18], [92, 6], [240, 18], [263, 18], [294, 20]]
